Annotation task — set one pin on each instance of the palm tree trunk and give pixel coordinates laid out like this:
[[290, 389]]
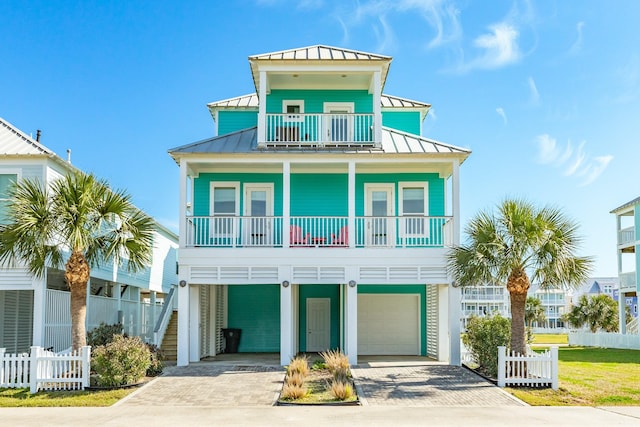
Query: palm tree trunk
[[77, 275], [518, 285]]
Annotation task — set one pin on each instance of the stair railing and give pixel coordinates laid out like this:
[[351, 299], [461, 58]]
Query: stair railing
[[163, 319]]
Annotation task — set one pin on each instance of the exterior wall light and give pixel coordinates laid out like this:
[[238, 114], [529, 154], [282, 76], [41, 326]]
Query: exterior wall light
[[352, 283], [182, 283], [285, 283]]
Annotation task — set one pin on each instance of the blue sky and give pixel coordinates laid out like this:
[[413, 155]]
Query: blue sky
[[545, 93]]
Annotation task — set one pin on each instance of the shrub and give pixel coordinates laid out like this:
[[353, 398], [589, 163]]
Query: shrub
[[156, 356], [337, 363], [120, 362], [103, 334], [341, 390], [293, 392], [482, 338]]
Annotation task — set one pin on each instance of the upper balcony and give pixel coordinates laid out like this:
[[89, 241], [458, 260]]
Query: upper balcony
[[318, 130], [318, 232], [627, 237]]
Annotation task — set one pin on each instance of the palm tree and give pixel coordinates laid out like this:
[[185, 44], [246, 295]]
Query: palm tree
[[519, 244], [597, 312], [78, 218], [533, 311]]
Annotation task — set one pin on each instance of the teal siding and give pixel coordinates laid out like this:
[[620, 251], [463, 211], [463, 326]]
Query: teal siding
[[319, 195], [202, 187], [436, 189], [319, 291], [256, 310], [406, 121], [405, 289], [314, 99], [231, 121]]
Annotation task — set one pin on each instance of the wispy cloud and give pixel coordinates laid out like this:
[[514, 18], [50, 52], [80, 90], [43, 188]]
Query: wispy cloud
[[502, 114], [533, 91], [577, 44], [442, 17], [500, 47], [573, 162]]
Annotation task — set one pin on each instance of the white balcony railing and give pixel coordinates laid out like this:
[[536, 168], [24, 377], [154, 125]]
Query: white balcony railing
[[317, 130], [626, 235], [628, 280], [306, 231]]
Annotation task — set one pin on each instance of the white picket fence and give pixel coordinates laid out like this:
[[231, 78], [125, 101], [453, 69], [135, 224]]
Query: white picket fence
[[529, 370], [605, 340], [45, 370]]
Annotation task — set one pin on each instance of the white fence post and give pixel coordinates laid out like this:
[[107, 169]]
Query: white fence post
[[502, 353], [33, 369], [86, 357], [2, 351], [554, 367]]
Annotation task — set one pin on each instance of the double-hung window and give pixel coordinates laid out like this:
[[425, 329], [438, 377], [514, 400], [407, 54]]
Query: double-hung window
[[6, 180], [224, 210], [414, 209]]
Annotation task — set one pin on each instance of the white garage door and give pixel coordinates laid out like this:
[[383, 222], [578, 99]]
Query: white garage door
[[388, 324]]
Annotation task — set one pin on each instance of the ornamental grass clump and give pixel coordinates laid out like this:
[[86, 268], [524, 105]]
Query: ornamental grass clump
[[123, 361], [341, 390], [337, 363], [294, 387]]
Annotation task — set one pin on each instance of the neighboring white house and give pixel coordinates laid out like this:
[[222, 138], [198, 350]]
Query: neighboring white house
[[35, 311], [483, 300]]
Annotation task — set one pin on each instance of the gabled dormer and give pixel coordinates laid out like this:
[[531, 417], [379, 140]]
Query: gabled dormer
[[319, 96]]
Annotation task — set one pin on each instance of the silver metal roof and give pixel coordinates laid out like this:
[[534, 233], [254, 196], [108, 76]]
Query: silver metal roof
[[14, 142], [251, 101], [320, 52], [626, 205], [245, 141]]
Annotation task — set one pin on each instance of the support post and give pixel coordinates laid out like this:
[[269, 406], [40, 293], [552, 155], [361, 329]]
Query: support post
[[33, 369], [86, 357], [286, 323], [502, 355], [194, 323], [183, 326], [352, 324], [554, 367]]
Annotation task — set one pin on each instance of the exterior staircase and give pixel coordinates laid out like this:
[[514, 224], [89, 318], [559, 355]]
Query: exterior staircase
[[632, 327], [169, 344]]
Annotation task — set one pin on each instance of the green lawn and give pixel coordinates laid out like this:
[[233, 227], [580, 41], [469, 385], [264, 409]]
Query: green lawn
[[590, 376], [14, 397], [550, 339]]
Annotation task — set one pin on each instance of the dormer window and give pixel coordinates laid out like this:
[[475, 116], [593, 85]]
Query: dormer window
[[293, 110]]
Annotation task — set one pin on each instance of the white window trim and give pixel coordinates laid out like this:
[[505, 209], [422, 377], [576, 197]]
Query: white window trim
[[214, 184], [293, 117], [16, 172], [415, 184]]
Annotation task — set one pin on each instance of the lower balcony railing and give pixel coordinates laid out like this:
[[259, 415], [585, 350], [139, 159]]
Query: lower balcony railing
[[308, 232]]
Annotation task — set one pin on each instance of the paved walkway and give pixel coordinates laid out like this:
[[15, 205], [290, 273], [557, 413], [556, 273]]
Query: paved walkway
[[211, 384], [426, 384]]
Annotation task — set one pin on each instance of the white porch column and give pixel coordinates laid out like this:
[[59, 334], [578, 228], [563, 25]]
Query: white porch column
[[194, 323], [39, 305], [351, 205], [286, 203], [262, 109], [286, 323], [455, 311], [377, 108], [183, 325], [443, 323], [351, 346], [182, 207], [622, 303]]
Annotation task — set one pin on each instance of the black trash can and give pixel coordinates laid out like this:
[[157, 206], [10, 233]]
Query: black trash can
[[232, 339]]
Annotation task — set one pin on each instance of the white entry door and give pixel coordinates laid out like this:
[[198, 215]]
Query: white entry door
[[258, 208], [338, 126], [379, 210], [318, 324]]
